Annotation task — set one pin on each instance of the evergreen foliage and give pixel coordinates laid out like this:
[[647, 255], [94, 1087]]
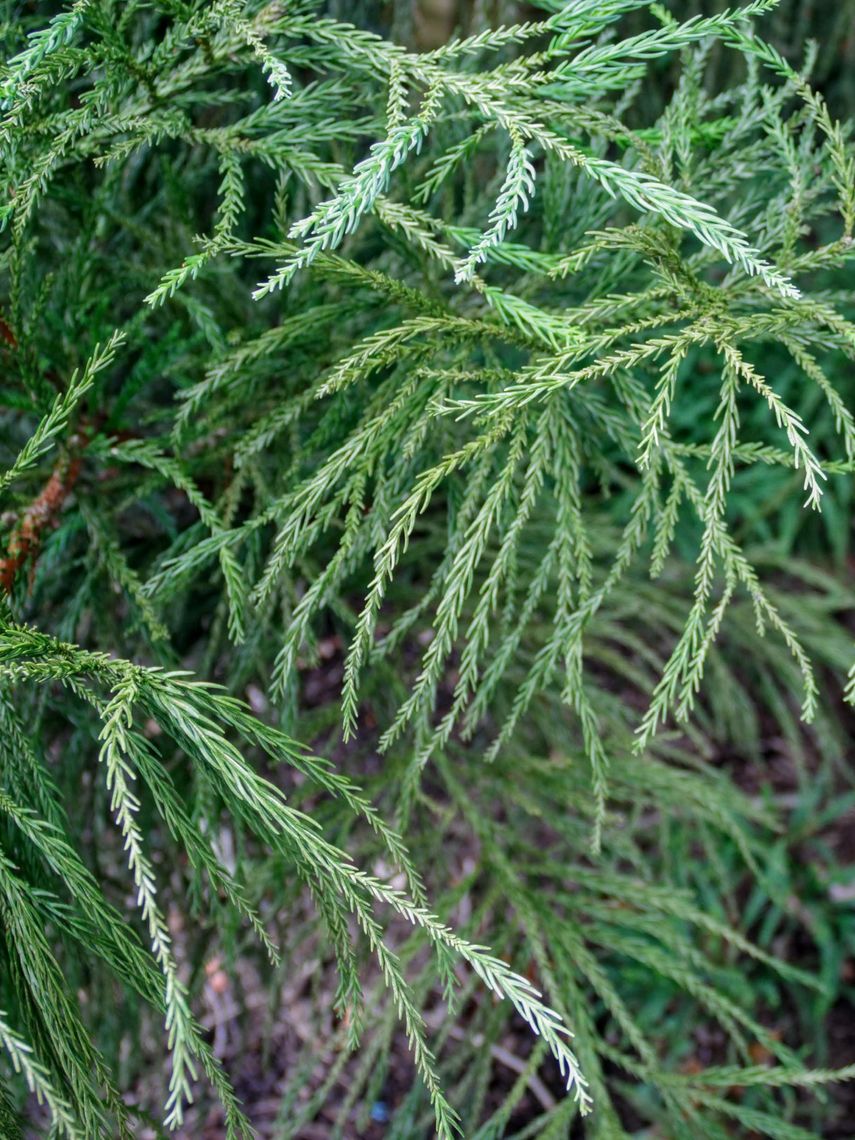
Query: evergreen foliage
[[457, 357]]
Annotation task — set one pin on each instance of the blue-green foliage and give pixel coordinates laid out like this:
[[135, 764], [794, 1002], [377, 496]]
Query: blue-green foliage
[[530, 403]]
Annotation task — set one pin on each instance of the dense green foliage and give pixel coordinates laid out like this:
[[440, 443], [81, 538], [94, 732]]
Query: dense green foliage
[[533, 403]]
